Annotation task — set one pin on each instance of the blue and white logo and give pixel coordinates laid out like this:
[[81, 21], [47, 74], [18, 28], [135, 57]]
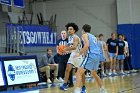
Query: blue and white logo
[[11, 72]]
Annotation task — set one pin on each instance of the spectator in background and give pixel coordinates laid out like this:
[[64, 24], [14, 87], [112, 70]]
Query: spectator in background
[[63, 59], [102, 47], [121, 53], [112, 48], [48, 64], [127, 61]]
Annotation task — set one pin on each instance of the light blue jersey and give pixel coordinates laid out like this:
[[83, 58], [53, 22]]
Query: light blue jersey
[[92, 59], [93, 44]]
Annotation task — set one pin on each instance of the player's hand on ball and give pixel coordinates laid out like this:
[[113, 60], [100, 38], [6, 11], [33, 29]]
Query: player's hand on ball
[[61, 49]]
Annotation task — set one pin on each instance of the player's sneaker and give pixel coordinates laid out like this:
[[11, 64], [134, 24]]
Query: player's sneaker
[[122, 73], [56, 80], [61, 80], [114, 72], [49, 81], [64, 87], [103, 74], [133, 71], [83, 89]]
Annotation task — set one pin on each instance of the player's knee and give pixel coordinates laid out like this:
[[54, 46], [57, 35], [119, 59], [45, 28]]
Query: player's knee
[[48, 67], [79, 72]]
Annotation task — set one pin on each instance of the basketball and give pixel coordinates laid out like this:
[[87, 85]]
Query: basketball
[[61, 48]]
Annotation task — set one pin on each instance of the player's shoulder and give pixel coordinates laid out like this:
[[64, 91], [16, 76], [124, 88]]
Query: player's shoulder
[[85, 35], [76, 36]]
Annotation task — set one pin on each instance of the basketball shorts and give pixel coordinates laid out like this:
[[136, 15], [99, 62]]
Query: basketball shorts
[[120, 57], [76, 62], [91, 62], [102, 58], [112, 55]]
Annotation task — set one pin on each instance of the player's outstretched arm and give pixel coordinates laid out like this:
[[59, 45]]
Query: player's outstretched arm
[[86, 44]]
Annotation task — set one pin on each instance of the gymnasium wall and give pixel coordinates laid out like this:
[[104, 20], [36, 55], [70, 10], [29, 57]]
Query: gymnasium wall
[[129, 25], [100, 14], [14, 9], [14, 12]]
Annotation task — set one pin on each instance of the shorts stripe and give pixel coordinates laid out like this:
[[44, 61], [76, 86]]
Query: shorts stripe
[[84, 61]]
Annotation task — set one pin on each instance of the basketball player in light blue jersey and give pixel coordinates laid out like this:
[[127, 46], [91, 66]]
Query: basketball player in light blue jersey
[[91, 60]]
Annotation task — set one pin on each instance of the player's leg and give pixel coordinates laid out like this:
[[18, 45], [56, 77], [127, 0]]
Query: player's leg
[[80, 79], [67, 73], [103, 68], [70, 80], [97, 78], [122, 57], [114, 65], [83, 84], [111, 64], [55, 68], [61, 71], [93, 69]]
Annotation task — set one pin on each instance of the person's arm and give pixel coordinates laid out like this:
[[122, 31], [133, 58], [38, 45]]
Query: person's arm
[[57, 48], [105, 46], [52, 60], [44, 61], [86, 44], [116, 50], [125, 50], [75, 44]]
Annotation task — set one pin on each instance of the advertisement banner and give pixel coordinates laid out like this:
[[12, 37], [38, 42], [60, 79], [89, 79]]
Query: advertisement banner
[[6, 2], [21, 71], [32, 35], [2, 78], [19, 3]]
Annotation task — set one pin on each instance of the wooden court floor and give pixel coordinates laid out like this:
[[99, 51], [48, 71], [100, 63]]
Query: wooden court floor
[[118, 84]]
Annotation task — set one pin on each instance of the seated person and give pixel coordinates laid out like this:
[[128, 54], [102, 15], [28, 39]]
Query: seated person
[[47, 64]]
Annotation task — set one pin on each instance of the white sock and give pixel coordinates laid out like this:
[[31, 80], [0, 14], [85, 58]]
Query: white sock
[[77, 90]]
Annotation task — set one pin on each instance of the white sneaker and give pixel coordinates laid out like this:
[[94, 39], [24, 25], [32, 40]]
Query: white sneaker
[[104, 75], [110, 73], [128, 72], [49, 81], [61, 80], [114, 72], [133, 71], [56, 80], [103, 90], [122, 73]]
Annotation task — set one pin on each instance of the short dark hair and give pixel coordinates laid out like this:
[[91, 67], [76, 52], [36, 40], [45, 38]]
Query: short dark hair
[[86, 28], [49, 49], [75, 27], [113, 33], [121, 35], [101, 35]]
